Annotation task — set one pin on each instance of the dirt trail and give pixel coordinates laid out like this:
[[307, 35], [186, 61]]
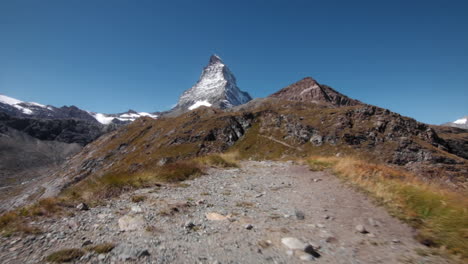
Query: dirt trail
[[263, 202]]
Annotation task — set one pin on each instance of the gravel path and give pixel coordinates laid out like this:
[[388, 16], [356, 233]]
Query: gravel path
[[264, 212]]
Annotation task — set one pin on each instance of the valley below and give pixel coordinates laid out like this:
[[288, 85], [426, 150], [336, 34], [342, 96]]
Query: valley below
[[260, 212]]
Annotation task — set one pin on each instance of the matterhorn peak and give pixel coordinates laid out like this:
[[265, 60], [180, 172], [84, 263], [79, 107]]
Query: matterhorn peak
[[216, 87], [215, 59]]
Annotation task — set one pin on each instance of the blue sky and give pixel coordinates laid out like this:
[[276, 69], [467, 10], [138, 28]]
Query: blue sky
[[109, 56]]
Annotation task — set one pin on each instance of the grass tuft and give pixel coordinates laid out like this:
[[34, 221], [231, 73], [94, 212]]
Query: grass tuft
[[219, 160], [65, 255], [138, 198], [16, 221], [101, 248], [320, 164]]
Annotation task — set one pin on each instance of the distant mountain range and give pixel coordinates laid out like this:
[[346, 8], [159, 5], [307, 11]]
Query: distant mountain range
[[18, 108]]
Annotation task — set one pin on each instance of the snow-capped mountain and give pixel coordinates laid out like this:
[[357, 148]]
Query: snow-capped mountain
[[126, 117], [461, 123], [18, 108], [216, 87]]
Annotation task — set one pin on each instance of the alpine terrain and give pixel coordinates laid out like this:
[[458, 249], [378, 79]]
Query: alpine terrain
[[306, 174], [35, 138]]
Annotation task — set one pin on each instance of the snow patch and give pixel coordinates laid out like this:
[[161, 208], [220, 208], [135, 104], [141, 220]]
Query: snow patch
[[148, 115], [198, 104], [9, 100], [15, 103], [107, 119], [461, 121], [37, 104], [103, 119]]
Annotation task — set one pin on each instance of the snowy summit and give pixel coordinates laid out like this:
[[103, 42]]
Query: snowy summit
[[460, 123], [216, 87], [24, 107]]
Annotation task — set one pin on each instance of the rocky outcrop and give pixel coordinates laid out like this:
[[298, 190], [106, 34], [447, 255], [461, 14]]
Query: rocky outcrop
[[309, 90], [61, 130]]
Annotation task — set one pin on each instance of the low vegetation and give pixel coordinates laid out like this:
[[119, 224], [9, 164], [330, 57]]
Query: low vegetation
[[65, 255], [101, 248], [138, 198], [17, 220], [113, 184], [440, 215], [223, 160], [108, 186]]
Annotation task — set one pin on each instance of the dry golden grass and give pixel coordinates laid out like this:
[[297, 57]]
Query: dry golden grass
[[245, 204], [138, 198], [101, 248], [16, 221], [440, 215], [113, 184], [65, 255], [222, 160]]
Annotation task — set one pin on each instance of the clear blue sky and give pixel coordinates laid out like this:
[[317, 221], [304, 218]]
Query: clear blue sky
[[109, 56]]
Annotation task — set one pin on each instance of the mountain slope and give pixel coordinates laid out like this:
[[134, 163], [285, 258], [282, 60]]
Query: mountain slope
[[217, 87], [24, 158]]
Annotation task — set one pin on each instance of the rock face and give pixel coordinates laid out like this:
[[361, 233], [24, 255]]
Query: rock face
[[18, 108], [309, 90], [460, 123], [61, 130], [216, 87]]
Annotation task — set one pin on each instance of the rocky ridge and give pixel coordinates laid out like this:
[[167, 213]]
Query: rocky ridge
[[309, 90]]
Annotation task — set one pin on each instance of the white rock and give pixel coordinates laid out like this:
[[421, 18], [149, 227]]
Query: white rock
[[306, 257], [82, 207], [136, 209], [361, 229], [293, 243], [216, 217]]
